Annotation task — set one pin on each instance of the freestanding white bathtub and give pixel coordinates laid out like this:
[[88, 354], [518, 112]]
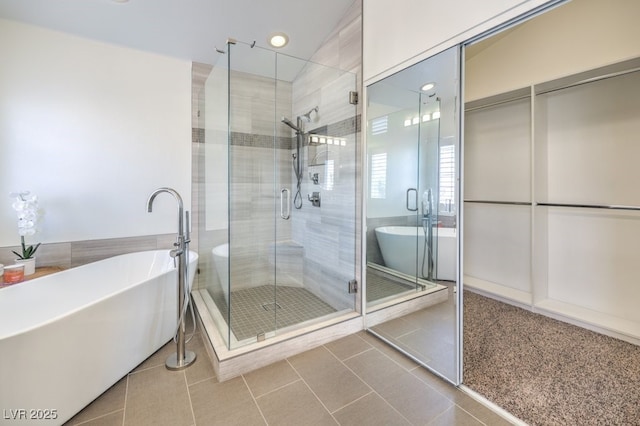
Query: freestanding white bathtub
[[398, 248], [221, 261], [67, 337]]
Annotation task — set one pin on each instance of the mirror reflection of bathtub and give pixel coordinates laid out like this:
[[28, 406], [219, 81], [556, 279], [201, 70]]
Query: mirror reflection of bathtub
[[398, 248]]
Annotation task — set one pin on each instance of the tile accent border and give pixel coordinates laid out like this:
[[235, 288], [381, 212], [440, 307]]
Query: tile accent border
[[77, 253], [349, 126]]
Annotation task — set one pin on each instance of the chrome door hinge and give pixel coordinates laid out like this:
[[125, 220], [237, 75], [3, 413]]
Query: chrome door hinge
[[353, 286], [353, 98]]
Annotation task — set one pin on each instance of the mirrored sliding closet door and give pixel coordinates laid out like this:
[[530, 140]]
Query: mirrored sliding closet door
[[413, 301]]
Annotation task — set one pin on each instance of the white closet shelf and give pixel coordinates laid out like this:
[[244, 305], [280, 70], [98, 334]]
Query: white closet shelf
[[610, 325]]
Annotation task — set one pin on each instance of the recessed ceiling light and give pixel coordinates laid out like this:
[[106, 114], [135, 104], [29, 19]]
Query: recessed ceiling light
[[121, 1], [278, 39], [427, 86]]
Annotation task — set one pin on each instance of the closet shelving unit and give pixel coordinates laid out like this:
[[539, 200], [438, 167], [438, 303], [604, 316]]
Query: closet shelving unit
[[552, 198]]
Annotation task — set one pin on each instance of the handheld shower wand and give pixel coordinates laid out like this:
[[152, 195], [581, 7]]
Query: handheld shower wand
[[297, 165]]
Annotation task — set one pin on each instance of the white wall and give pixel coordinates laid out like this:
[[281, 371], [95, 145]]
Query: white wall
[[216, 211], [92, 129], [401, 33], [575, 37]]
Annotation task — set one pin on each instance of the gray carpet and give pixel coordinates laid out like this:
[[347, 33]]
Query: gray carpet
[[547, 372]]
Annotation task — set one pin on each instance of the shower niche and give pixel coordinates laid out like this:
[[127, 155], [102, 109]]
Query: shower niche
[[277, 229]]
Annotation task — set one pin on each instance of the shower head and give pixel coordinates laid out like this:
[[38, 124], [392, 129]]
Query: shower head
[[288, 122], [307, 116]]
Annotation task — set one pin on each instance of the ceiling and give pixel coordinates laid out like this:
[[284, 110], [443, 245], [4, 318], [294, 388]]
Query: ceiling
[[185, 29]]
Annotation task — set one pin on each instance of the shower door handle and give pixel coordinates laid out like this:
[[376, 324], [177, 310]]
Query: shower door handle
[[416, 204], [285, 200]]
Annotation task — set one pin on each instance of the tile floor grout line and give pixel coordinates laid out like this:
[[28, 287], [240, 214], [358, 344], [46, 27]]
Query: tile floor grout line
[[455, 404], [355, 355], [278, 388], [417, 367], [134, 371], [99, 417], [393, 360], [314, 394], [354, 401], [126, 395], [430, 422], [193, 414], [347, 367], [208, 360], [469, 413], [255, 401], [375, 391]]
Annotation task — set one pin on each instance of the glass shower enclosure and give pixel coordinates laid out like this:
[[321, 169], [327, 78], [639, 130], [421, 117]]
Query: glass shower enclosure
[[277, 229]]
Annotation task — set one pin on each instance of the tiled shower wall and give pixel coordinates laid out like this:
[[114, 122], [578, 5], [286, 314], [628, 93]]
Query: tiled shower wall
[[331, 234], [76, 253]]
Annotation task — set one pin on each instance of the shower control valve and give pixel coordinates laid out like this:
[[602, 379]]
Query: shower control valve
[[314, 198]]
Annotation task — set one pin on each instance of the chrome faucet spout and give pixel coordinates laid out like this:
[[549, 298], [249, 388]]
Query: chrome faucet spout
[[178, 198]]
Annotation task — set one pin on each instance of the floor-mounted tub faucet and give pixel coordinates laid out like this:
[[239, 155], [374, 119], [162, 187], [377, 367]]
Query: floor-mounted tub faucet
[[182, 358], [427, 227]]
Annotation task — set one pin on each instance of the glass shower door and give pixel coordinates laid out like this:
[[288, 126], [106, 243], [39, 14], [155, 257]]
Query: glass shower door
[[291, 198], [315, 235]]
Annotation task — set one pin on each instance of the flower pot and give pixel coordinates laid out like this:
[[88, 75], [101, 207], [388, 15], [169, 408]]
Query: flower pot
[[29, 265]]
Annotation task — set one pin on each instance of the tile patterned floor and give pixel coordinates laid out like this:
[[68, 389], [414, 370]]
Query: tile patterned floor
[[427, 334], [253, 310], [357, 380], [381, 285]]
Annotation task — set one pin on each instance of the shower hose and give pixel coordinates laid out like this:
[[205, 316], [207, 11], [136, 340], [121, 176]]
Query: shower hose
[[187, 303], [297, 199]]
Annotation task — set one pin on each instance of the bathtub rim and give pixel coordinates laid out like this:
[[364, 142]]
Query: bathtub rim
[[193, 259], [440, 231]]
